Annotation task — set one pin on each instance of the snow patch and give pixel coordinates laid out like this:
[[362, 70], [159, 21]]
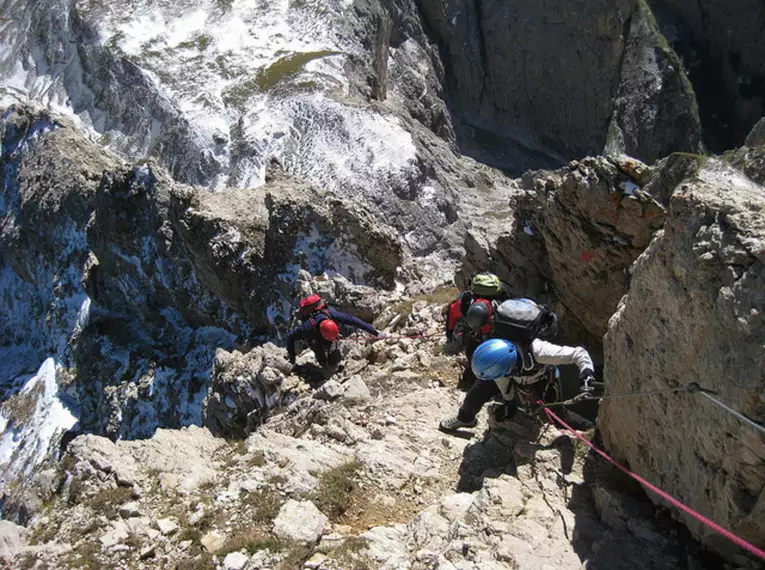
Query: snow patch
[[629, 187], [324, 254], [25, 442]]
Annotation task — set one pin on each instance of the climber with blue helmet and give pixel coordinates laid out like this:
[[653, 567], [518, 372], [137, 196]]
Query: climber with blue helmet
[[519, 374]]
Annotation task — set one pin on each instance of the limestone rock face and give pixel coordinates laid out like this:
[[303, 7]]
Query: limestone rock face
[[223, 252], [757, 135], [578, 229], [655, 109], [12, 538], [497, 88], [694, 313], [727, 67], [751, 161]]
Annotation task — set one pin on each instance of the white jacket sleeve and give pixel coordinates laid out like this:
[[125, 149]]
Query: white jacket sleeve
[[554, 354]]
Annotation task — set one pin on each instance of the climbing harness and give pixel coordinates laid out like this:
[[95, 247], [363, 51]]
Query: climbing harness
[[667, 497]]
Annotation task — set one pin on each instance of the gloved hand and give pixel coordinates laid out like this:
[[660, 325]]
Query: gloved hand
[[586, 378]]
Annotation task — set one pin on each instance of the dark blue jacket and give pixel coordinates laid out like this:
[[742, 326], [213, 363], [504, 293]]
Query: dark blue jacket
[[309, 329]]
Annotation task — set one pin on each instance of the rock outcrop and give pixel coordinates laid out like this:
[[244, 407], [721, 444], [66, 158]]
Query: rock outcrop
[[722, 47], [12, 539], [517, 70], [244, 388], [578, 229], [694, 314], [757, 135], [158, 245]]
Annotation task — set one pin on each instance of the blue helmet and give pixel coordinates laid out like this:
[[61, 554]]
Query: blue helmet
[[494, 358]]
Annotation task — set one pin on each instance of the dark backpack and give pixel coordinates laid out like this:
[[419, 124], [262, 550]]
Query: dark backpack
[[522, 320]]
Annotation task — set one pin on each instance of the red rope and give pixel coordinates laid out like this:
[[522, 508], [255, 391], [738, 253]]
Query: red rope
[[701, 518], [376, 338]]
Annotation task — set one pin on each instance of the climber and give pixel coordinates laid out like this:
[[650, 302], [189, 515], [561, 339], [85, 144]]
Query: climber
[[468, 318], [522, 370], [483, 286], [320, 330]]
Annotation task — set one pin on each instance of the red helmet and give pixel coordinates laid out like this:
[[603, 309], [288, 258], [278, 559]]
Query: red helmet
[[328, 329], [310, 304]]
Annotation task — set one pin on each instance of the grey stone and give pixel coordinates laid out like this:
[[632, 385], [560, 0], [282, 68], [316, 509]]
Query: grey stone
[[356, 390], [300, 521], [235, 561], [213, 541], [148, 552], [167, 526], [115, 535], [12, 538], [330, 390], [130, 509]]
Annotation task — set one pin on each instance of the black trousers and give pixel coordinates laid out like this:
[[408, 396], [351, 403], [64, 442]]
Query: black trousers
[[483, 392], [327, 353], [469, 379]]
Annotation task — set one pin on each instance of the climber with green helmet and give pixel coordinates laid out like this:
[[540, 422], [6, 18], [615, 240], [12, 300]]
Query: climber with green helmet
[[468, 318]]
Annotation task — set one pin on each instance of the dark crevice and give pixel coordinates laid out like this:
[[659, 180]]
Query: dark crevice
[[482, 47], [730, 93], [626, 28]]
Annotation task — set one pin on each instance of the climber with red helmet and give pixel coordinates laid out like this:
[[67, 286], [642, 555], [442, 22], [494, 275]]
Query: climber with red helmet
[[320, 330]]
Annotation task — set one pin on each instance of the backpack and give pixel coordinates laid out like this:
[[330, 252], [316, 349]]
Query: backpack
[[486, 285], [522, 320], [311, 304]]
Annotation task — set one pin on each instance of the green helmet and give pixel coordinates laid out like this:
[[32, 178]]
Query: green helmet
[[486, 285]]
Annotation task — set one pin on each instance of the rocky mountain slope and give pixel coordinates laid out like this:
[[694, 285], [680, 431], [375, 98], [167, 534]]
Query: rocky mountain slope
[[352, 475], [177, 175]]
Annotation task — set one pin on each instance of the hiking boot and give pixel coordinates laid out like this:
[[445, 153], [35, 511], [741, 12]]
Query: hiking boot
[[454, 423]]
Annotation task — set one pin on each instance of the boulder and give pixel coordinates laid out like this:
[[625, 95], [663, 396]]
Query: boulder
[[694, 313], [356, 390], [213, 541], [12, 538], [235, 561], [330, 390], [167, 526], [300, 521], [115, 535], [243, 389], [181, 457]]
